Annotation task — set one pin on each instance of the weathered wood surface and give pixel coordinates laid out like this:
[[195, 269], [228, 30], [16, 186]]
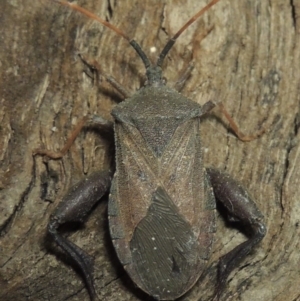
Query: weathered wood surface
[[250, 61]]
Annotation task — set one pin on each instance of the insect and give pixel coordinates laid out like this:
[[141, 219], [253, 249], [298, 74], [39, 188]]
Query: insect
[[162, 200]]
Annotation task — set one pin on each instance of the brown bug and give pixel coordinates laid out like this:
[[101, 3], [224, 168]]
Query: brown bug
[[162, 200]]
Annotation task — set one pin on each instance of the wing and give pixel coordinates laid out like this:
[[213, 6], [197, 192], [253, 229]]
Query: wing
[[160, 190]]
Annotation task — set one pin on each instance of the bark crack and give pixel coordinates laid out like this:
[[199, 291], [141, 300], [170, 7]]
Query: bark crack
[[18, 247], [6, 225], [293, 13], [110, 11], [289, 147]]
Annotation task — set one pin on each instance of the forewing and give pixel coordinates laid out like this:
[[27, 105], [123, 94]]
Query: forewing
[[135, 220]]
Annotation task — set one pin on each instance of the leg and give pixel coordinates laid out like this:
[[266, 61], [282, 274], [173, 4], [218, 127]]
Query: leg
[[94, 65], [208, 106], [78, 202], [235, 128], [93, 121], [184, 77], [240, 207], [73, 208], [186, 72]]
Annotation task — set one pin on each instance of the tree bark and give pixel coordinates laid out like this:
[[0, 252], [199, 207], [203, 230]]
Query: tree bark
[[246, 54]]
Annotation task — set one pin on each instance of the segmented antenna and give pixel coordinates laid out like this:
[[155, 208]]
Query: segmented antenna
[[172, 41], [132, 42]]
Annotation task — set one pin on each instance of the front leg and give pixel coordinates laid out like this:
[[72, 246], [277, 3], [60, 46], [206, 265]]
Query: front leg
[[79, 200], [88, 121], [240, 207], [73, 208]]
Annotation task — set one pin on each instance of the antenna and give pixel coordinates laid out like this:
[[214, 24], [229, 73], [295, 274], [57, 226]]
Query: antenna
[[132, 42], [119, 32]]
